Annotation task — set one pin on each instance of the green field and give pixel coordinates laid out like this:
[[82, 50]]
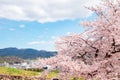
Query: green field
[[26, 73], [17, 72], [52, 74]]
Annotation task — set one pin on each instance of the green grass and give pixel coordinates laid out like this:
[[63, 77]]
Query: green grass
[[52, 74], [17, 72]]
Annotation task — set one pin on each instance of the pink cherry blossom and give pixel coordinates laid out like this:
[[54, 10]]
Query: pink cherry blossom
[[94, 54]]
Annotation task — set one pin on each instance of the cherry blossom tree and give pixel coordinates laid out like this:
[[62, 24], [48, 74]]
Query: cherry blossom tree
[[99, 44], [96, 52]]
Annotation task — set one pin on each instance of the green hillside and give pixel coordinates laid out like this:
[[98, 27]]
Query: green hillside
[[17, 72]]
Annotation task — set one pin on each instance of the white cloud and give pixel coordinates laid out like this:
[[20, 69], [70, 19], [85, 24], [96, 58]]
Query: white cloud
[[45, 10], [54, 37], [21, 26], [68, 33], [40, 42], [12, 29], [42, 45]]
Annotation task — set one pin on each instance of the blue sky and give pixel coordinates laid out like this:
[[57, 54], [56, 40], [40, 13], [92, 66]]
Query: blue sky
[[38, 28]]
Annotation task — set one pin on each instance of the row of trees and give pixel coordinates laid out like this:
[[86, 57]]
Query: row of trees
[[96, 52]]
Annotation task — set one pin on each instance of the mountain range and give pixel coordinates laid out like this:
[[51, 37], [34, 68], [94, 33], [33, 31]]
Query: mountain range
[[26, 53]]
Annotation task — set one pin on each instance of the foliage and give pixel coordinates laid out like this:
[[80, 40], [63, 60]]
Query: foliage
[[52, 74], [55, 71], [17, 72], [11, 59], [35, 69]]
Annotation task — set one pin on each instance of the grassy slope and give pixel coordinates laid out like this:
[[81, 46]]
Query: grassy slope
[[52, 74], [17, 72]]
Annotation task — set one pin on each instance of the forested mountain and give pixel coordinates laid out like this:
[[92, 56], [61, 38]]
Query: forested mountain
[[26, 53], [11, 59]]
